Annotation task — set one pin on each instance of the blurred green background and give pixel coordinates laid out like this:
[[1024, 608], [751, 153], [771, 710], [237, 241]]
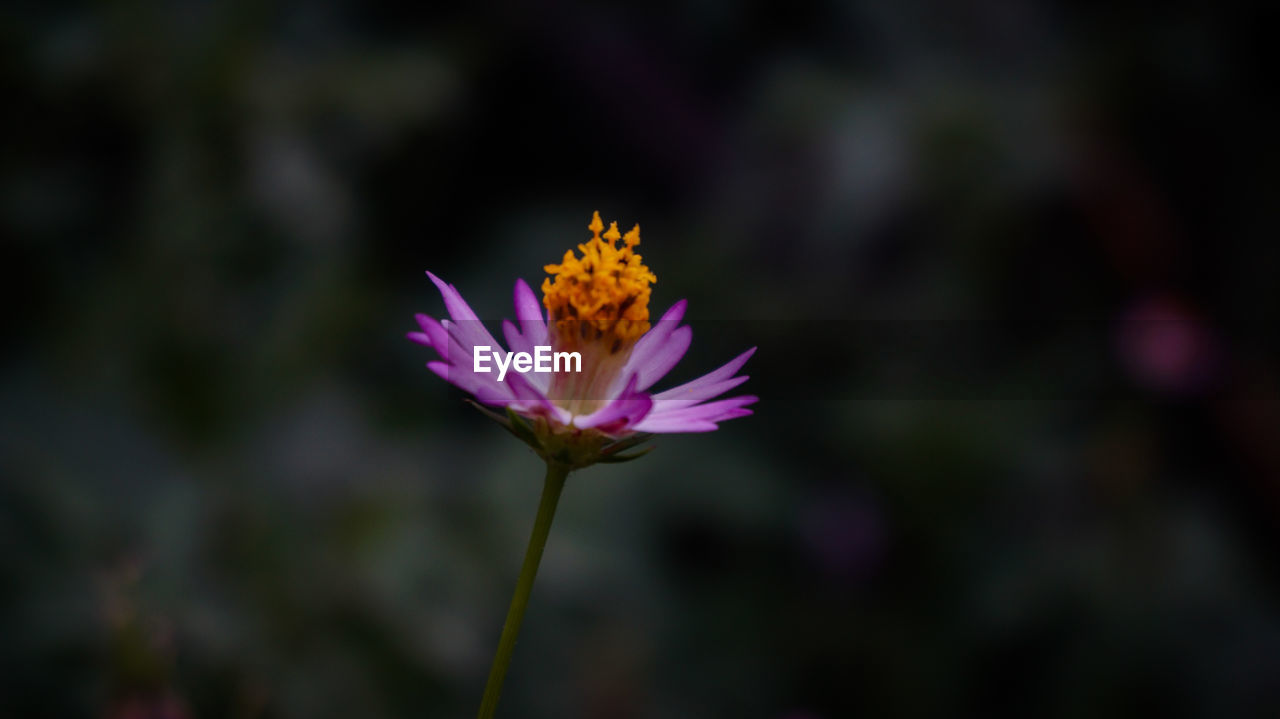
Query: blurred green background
[[1011, 267]]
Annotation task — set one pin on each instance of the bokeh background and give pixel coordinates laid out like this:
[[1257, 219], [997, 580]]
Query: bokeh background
[[1011, 268]]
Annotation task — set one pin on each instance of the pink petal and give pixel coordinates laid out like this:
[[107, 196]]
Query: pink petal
[[532, 397], [707, 410], [436, 333], [629, 407], [483, 387], [674, 426], [458, 308], [467, 327], [459, 352], [660, 362], [529, 314], [516, 341], [703, 393], [674, 313], [683, 416], [521, 343], [656, 337], [697, 388]]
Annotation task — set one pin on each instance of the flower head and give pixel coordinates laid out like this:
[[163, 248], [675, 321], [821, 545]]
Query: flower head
[[595, 305]]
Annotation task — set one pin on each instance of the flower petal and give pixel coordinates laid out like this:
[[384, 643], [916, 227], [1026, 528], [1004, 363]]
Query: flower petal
[[439, 338], [531, 398], [470, 331], [704, 410], [516, 341], [484, 387], [701, 393], [519, 343], [661, 360], [695, 388], [628, 408], [529, 313], [458, 308], [653, 340], [674, 426], [681, 415]]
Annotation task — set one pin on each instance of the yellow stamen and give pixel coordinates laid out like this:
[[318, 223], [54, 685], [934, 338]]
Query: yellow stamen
[[601, 297]]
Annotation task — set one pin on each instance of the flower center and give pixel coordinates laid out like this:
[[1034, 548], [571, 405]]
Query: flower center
[[603, 296], [598, 305]]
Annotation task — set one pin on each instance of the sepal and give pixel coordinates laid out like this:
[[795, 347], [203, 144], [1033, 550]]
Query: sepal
[[620, 458], [574, 448]]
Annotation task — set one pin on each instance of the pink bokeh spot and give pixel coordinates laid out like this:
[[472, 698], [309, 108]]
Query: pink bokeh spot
[[1165, 347]]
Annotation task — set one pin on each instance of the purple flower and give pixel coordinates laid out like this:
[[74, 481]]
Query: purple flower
[[578, 367]]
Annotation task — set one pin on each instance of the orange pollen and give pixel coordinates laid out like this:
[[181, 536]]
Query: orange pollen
[[603, 296]]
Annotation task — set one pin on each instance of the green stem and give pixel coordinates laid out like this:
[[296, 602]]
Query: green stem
[[556, 475]]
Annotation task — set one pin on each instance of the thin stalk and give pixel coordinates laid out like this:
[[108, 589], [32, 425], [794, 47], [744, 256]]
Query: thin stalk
[[551, 488]]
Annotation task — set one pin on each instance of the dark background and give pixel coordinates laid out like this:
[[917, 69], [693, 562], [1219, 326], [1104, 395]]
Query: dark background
[[1011, 267]]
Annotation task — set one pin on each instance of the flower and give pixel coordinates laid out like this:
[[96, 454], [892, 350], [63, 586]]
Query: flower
[[596, 305]]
